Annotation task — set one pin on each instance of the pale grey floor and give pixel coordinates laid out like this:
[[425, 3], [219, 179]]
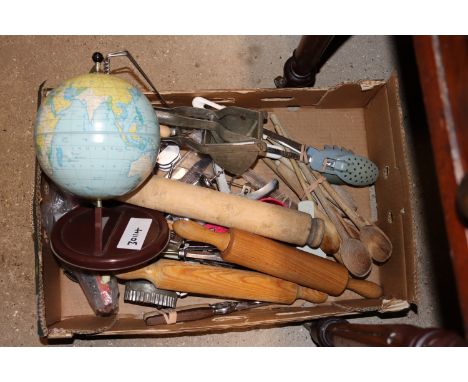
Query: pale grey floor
[[173, 63]]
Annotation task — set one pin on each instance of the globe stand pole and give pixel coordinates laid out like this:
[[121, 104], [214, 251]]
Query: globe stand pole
[[98, 228]]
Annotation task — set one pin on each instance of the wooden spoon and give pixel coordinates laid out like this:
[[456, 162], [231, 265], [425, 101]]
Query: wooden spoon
[[376, 241], [353, 254]]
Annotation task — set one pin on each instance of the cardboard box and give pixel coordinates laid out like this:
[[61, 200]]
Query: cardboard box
[[364, 117]]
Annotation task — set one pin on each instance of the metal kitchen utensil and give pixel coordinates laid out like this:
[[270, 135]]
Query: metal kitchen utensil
[[337, 164], [232, 136], [168, 158], [199, 312], [144, 292], [195, 173], [186, 250], [251, 177], [235, 158], [228, 125]]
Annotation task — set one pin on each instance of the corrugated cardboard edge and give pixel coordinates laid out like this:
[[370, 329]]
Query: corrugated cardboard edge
[[237, 321], [351, 94], [108, 323], [394, 305], [249, 320], [36, 222], [393, 92], [370, 84], [252, 98]]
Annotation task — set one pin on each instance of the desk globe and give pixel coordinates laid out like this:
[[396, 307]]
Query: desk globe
[[96, 136]]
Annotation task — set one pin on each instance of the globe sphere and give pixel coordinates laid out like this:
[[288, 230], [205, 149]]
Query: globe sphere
[[96, 136]]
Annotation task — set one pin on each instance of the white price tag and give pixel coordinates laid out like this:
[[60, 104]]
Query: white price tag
[[135, 234]]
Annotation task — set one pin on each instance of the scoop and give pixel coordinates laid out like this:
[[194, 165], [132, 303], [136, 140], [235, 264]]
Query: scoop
[[353, 254], [377, 242]]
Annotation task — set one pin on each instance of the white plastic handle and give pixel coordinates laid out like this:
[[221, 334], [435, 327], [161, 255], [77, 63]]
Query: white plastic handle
[[201, 102]]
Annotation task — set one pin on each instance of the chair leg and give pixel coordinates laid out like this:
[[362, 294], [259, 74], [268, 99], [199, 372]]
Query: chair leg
[[300, 69], [334, 331]]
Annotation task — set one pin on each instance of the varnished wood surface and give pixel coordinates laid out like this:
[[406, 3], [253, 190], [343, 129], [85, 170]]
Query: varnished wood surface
[[279, 260], [228, 210], [288, 263], [443, 72], [334, 331], [222, 282]]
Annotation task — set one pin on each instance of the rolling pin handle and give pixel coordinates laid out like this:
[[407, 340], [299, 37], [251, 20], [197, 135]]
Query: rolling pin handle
[[317, 231], [311, 295]]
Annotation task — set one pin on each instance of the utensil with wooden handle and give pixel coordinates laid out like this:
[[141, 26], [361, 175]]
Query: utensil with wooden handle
[[290, 178], [377, 242], [228, 210], [279, 260], [222, 282], [353, 254], [166, 131]]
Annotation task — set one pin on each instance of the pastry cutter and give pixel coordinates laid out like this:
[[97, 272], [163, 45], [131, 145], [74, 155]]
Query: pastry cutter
[[145, 293]]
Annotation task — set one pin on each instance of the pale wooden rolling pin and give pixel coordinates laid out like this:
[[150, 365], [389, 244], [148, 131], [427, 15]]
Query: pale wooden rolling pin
[[165, 131], [228, 210], [279, 260], [222, 282]]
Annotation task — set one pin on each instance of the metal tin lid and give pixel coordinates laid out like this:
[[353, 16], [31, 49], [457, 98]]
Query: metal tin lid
[[131, 236]]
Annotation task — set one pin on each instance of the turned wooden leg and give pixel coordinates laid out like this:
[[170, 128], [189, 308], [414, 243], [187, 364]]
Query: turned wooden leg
[[334, 331], [300, 69]]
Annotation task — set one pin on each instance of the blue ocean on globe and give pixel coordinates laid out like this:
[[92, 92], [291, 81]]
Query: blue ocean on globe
[[97, 136]]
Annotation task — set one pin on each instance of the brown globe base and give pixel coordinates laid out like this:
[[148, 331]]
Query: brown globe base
[[97, 239]]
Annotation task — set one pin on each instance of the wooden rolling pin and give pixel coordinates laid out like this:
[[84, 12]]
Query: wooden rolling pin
[[222, 282], [276, 259], [289, 177], [228, 210], [166, 131]]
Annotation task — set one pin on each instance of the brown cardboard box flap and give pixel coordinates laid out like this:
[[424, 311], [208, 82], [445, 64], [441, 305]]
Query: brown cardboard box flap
[[350, 95], [262, 317]]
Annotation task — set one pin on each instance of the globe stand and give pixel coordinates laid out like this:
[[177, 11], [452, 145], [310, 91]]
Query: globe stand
[[109, 239], [98, 228]]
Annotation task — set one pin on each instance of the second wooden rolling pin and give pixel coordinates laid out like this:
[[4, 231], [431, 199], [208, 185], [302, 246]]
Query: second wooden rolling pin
[[222, 282], [279, 260], [228, 210]]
